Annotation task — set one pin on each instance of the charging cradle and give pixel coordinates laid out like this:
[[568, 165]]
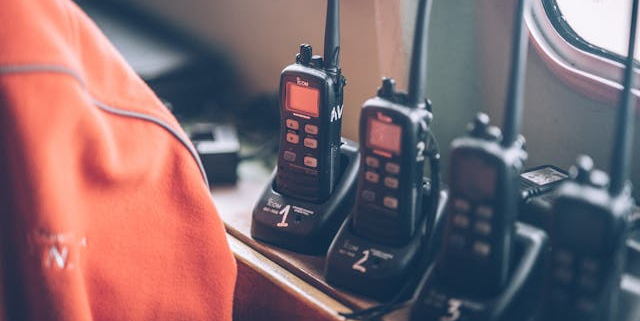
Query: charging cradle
[[518, 300], [629, 298], [303, 226], [377, 270]]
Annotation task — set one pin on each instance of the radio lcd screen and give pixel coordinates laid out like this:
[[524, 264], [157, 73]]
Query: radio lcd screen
[[384, 136], [302, 99]]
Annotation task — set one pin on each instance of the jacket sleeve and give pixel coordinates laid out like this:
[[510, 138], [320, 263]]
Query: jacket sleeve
[[106, 214]]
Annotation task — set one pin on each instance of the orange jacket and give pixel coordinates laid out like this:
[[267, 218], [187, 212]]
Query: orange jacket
[[104, 211]]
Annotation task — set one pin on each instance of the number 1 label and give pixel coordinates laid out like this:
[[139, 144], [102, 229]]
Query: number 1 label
[[284, 212]]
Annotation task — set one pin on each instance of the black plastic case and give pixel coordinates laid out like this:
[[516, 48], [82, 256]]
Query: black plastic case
[[308, 227], [518, 301], [218, 147], [386, 268]]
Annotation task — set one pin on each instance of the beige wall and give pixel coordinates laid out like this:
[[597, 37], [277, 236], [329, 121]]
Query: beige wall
[[559, 123], [467, 71], [263, 37]]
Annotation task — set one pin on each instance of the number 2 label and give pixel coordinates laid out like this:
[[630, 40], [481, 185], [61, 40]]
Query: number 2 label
[[358, 265], [421, 146]]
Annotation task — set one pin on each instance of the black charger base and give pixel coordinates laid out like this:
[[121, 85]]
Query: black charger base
[[518, 300], [219, 148], [302, 226], [629, 299], [380, 271]]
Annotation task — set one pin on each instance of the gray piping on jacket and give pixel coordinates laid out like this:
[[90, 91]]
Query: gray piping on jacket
[[15, 69]]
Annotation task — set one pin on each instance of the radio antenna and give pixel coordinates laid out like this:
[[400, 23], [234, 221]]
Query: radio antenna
[[418, 68], [621, 156], [513, 112], [332, 36]]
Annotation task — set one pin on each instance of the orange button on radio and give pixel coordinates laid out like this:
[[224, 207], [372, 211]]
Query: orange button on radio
[[310, 143], [311, 161], [293, 138], [293, 124], [311, 129]]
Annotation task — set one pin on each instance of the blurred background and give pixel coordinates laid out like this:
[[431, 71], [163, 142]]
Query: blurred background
[[220, 60]]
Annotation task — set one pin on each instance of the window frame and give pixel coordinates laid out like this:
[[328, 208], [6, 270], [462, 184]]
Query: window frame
[[588, 69], [563, 27]]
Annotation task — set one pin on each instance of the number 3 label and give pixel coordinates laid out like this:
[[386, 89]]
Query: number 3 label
[[454, 311]]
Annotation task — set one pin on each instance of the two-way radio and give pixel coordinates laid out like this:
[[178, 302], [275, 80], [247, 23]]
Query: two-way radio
[[313, 187], [483, 192], [590, 223], [389, 234], [394, 132], [311, 94]]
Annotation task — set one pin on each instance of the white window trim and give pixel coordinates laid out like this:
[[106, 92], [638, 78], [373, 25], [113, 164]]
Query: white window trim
[[596, 77]]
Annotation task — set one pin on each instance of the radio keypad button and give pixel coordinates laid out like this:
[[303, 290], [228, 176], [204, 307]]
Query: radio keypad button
[[289, 156], [588, 283], [293, 138], [481, 248], [392, 168], [461, 205], [563, 275], [563, 257], [372, 177], [310, 161], [461, 221], [482, 228], [589, 266], [588, 274], [368, 195], [391, 182], [372, 162], [586, 306], [311, 129], [457, 241], [390, 202], [310, 143], [293, 124], [486, 212]]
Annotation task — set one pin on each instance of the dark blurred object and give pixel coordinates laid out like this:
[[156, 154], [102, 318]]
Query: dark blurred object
[[198, 82], [259, 119], [218, 148], [260, 116]]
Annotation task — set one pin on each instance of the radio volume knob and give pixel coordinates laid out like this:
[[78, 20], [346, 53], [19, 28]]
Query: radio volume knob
[[388, 88], [316, 61], [493, 133], [478, 127], [306, 52], [581, 172]]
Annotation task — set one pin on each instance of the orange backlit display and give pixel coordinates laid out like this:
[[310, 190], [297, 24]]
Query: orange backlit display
[[303, 99], [384, 136]]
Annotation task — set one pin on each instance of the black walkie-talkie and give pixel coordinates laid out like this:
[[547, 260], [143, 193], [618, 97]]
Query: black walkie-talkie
[[483, 193], [394, 129], [311, 93], [590, 224], [387, 238]]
